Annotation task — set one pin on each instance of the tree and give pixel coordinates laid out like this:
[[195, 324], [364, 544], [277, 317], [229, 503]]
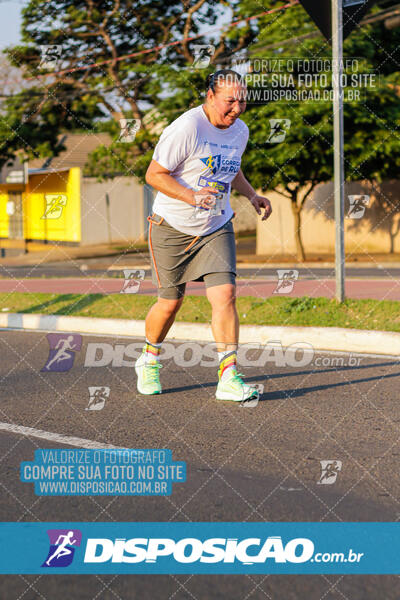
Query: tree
[[304, 159], [104, 32], [162, 84]]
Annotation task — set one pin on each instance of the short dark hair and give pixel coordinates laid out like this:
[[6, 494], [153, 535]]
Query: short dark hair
[[214, 79]]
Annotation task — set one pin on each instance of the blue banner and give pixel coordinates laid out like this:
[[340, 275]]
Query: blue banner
[[114, 472], [204, 548]]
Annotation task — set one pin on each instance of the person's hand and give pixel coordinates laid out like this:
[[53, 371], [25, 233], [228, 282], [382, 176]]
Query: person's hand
[[205, 198], [260, 202]]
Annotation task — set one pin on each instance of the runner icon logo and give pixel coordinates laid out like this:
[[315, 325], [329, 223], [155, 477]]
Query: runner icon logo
[[50, 56], [329, 471], [133, 279], [286, 281], [98, 396], [62, 351], [357, 206], [279, 129], [54, 206], [253, 401], [202, 54], [129, 129], [62, 547]]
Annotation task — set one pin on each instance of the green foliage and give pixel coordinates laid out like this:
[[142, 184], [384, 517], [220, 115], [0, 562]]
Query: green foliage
[[32, 120], [372, 144], [298, 305], [162, 85], [77, 99]]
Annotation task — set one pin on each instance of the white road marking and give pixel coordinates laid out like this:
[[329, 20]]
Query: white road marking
[[59, 438]]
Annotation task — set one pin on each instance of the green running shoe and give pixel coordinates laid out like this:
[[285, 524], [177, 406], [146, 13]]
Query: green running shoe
[[235, 389], [148, 376]]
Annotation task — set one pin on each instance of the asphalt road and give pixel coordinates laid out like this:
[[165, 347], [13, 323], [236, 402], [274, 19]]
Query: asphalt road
[[113, 267], [244, 463]]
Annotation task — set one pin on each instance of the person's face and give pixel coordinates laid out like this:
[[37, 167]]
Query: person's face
[[227, 103]]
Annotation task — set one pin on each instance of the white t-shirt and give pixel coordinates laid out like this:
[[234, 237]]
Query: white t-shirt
[[197, 154]]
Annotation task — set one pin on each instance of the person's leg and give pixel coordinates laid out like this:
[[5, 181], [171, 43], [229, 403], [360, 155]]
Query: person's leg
[[224, 323], [225, 319], [160, 318], [158, 322], [225, 327]]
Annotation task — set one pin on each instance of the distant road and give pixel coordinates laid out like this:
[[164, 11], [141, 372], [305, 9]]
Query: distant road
[[378, 289], [101, 267]]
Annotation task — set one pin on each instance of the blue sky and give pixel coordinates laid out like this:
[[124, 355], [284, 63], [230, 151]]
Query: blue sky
[[10, 21]]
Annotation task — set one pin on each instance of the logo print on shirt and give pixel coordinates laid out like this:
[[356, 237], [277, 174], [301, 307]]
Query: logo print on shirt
[[213, 163]]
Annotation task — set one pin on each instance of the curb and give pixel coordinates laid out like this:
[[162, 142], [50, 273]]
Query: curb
[[321, 338]]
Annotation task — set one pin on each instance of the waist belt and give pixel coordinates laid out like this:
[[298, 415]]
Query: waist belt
[[151, 220], [154, 222]]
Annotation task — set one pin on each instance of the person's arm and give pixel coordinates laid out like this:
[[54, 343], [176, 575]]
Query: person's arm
[[160, 179], [241, 185]]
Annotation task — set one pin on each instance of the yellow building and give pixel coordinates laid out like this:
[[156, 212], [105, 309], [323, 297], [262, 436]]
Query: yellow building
[[46, 208], [52, 202]]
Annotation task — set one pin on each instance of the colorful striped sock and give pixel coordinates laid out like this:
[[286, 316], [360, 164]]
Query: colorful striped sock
[[151, 351], [228, 364]]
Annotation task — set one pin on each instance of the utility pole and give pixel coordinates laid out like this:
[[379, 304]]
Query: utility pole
[[338, 143], [336, 19], [108, 217]]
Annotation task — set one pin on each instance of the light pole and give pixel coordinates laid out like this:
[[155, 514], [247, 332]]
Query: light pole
[[338, 154], [328, 16]]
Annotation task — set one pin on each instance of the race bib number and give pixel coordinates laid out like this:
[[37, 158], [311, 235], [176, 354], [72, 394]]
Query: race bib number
[[221, 197]]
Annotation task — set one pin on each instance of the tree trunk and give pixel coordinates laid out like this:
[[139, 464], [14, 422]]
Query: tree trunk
[[297, 229], [392, 236]]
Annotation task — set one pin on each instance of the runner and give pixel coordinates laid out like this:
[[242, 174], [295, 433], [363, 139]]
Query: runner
[[62, 549], [62, 346], [191, 238], [98, 397]]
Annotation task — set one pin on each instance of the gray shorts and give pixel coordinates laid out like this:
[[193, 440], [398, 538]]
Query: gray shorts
[[177, 257]]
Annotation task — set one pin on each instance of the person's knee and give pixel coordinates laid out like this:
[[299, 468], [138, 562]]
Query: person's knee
[[170, 306], [224, 297]]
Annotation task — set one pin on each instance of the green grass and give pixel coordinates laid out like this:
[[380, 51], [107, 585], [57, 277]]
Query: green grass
[[381, 315], [133, 248]]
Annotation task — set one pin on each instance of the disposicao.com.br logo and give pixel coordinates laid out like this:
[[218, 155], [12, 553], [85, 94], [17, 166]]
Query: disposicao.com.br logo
[[158, 548], [191, 550]]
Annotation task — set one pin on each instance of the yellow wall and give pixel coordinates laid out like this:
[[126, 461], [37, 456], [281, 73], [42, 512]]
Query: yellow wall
[[3, 213], [67, 227]]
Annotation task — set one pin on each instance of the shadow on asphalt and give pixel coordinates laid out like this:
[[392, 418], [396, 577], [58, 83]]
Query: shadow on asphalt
[[333, 369], [296, 392]]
